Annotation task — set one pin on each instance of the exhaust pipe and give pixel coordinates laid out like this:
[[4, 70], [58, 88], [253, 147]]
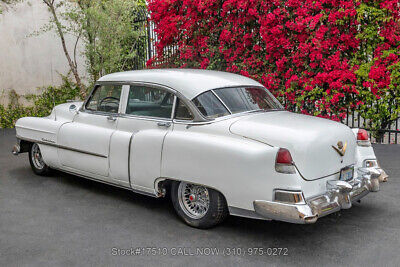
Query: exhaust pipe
[[16, 149], [383, 177]]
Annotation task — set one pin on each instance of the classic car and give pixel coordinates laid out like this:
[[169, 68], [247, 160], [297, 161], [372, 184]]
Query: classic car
[[217, 143]]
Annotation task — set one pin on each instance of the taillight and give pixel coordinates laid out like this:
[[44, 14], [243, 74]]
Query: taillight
[[362, 138], [284, 162], [284, 157], [362, 135]]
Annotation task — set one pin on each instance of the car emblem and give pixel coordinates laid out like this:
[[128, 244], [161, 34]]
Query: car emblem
[[341, 149]]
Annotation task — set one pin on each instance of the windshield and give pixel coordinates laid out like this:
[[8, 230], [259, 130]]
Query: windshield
[[225, 101]]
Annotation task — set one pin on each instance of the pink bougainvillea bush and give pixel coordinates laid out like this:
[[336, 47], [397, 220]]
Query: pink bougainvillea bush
[[321, 56]]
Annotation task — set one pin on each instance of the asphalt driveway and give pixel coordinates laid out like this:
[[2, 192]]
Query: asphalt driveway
[[67, 220]]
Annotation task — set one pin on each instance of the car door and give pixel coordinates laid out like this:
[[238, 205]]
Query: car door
[[137, 144], [84, 142]]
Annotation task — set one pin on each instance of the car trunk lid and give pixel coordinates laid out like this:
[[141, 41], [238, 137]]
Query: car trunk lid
[[309, 139]]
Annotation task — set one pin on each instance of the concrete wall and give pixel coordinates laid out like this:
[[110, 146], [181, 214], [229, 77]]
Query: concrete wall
[[30, 62]]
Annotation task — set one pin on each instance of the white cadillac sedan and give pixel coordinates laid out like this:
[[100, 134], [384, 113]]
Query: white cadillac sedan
[[217, 143]]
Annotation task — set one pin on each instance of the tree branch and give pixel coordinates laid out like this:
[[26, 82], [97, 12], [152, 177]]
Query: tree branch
[[60, 32], [75, 46]]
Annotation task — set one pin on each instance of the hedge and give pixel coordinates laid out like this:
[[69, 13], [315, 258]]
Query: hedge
[[319, 57]]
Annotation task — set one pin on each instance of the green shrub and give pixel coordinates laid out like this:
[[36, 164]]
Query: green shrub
[[43, 103]]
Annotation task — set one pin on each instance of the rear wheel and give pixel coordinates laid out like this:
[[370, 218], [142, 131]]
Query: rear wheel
[[36, 160], [197, 205]]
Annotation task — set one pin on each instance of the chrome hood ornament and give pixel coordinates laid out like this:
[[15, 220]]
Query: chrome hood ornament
[[341, 149]]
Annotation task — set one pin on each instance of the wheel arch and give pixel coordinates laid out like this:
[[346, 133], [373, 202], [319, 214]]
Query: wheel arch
[[25, 146], [162, 186]]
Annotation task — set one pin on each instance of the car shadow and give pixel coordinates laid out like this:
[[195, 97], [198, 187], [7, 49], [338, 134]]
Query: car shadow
[[234, 231], [110, 191], [358, 210], [73, 182]]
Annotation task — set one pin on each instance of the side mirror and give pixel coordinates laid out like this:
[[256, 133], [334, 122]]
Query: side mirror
[[73, 109]]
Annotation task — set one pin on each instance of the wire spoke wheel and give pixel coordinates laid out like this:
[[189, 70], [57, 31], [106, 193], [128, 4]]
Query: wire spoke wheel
[[197, 205], [194, 200], [36, 157]]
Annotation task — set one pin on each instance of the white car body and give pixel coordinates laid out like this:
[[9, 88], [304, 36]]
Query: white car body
[[233, 154]]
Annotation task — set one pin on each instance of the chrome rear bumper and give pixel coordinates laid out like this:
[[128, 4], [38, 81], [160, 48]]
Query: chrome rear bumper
[[339, 195]]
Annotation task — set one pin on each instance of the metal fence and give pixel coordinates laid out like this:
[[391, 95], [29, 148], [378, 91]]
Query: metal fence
[[144, 46], [388, 135]]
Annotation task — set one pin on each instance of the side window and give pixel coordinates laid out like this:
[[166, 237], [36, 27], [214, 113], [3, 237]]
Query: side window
[[105, 98], [150, 102], [210, 106], [182, 112]]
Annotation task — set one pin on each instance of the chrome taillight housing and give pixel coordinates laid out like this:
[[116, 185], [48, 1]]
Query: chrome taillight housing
[[368, 163], [362, 138], [291, 197], [284, 162]]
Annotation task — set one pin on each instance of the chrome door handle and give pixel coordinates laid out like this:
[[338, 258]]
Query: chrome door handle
[[111, 118], [164, 124]]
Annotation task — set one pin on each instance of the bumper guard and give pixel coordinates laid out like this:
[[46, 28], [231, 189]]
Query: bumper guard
[[339, 195]]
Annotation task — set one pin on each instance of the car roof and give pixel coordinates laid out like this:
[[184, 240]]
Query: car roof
[[189, 82]]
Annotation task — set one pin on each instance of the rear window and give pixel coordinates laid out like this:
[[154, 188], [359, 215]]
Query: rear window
[[220, 102], [247, 99]]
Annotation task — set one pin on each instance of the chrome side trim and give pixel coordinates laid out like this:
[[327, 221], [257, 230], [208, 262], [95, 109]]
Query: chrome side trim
[[124, 115], [62, 147], [130, 116], [223, 118], [36, 130], [106, 182], [129, 160], [100, 113]]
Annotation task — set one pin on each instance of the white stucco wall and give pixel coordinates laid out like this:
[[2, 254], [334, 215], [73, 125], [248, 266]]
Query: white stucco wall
[[30, 62]]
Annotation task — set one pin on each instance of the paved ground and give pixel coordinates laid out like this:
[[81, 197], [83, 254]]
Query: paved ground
[[66, 220]]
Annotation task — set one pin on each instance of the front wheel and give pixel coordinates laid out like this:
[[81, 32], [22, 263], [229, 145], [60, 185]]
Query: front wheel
[[197, 205], [36, 160]]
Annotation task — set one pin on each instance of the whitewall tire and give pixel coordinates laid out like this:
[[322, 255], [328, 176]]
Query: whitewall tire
[[38, 165], [197, 205]]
